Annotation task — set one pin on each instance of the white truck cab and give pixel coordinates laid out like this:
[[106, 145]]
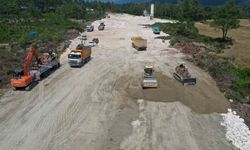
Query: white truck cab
[[75, 59]]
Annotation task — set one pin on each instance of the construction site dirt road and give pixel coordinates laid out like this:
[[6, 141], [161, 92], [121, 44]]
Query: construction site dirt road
[[101, 106]]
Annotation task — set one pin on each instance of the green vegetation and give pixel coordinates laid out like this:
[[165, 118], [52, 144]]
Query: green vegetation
[[243, 83], [51, 27], [49, 21], [46, 23]]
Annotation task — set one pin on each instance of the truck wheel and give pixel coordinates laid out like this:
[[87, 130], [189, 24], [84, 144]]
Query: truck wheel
[[133, 45]]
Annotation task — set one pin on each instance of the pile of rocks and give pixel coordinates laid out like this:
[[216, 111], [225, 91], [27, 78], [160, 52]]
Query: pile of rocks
[[236, 130]]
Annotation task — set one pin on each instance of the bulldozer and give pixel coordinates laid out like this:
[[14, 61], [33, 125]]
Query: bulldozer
[[149, 79], [182, 74]]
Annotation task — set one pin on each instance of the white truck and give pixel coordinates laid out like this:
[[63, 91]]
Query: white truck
[[89, 28], [79, 56]]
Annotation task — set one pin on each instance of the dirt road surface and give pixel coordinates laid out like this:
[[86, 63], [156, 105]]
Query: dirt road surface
[[101, 106]]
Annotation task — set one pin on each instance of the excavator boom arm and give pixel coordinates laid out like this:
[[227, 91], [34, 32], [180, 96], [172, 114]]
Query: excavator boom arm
[[28, 59]]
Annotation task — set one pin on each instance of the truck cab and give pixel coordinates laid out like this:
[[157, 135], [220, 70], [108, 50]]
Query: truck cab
[[89, 28], [101, 26], [75, 59], [156, 30], [79, 56]]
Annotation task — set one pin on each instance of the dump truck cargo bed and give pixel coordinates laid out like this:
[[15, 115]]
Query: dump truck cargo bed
[[79, 56], [139, 43]]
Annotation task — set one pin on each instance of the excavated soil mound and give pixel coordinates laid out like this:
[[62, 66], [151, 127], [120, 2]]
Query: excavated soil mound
[[201, 98]]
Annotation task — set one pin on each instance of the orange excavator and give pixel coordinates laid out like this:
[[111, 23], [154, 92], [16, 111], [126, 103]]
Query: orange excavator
[[27, 78], [22, 78]]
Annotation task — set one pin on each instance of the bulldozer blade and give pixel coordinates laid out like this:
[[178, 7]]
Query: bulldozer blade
[[191, 81]]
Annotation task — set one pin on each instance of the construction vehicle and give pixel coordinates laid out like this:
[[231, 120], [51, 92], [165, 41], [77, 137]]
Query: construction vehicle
[[83, 37], [27, 77], [149, 79], [139, 43], [79, 56], [101, 26], [96, 40], [92, 44], [182, 74], [89, 28], [156, 30]]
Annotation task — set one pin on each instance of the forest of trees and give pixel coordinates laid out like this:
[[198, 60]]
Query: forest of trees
[[21, 16], [50, 18]]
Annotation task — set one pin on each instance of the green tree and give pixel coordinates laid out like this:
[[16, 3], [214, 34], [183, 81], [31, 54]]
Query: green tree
[[190, 10], [226, 18], [72, 10]]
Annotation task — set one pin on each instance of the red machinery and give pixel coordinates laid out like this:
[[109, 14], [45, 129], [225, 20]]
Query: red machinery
[[22, 78]]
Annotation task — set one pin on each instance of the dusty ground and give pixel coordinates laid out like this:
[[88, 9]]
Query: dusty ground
[[240, 50], [100, 106]]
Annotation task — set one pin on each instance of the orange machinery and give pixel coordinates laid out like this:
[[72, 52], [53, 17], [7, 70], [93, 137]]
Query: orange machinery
[[23, 79], [28, 78]]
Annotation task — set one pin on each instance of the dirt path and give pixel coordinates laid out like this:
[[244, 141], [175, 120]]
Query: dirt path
[[101, 106]]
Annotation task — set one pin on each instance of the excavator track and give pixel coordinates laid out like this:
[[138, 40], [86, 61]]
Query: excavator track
[[31, 86]]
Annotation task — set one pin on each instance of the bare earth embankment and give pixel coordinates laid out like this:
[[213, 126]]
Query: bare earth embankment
[[101, 106]]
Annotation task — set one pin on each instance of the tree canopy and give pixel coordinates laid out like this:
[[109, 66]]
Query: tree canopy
[[226, 18]]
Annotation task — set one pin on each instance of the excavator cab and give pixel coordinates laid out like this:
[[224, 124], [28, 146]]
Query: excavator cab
[[19, 80], [21, 77], [17, 73]]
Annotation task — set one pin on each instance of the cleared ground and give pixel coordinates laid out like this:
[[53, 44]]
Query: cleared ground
[[241, 48], [101, 106]]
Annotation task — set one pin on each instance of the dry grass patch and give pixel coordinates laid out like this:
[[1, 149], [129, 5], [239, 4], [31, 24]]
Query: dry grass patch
[[241, 36]]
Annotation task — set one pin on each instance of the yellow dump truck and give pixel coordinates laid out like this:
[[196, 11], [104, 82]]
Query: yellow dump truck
[[79, 56], [139, 43]]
